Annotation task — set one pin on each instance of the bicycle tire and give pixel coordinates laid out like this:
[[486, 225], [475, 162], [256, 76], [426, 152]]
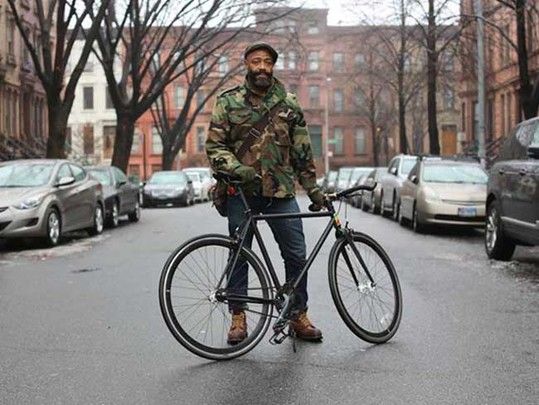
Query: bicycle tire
[[380, 326], [197, 290]]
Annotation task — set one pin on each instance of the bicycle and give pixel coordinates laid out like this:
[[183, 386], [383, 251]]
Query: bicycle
[[197, 284]]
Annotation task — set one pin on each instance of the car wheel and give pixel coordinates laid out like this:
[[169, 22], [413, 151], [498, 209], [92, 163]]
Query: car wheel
[[134, 216], [382, 209], [417, 225], [363, 205], [395, 208], [400, 218], [97, 227], [114, 219], [54, 227], [497, 244]]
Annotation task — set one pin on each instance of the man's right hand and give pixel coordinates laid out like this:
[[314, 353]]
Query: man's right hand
[[246, 173]]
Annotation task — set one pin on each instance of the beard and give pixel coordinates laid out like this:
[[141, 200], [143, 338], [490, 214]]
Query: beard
[[260, 80]]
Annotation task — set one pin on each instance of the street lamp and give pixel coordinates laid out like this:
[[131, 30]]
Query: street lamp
[[325, 138]]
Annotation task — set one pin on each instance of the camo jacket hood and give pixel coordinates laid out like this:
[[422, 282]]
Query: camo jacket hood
[[281, 154]]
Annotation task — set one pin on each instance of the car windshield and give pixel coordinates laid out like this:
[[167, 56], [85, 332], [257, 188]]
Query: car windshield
[[454, 174], [407, 165], [25, 175], [167, 178], [380, 172], [332, 176], [194, 176], [344, 174], [101, 176]]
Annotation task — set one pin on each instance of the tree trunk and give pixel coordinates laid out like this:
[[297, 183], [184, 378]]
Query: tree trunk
[[167, 157], [403, 143], [125, 129], [527, 103], [432, 58], [57, 116], [374, 133]]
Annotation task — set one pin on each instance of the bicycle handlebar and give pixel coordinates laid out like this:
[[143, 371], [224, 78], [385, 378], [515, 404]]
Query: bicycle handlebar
[[349, 191]]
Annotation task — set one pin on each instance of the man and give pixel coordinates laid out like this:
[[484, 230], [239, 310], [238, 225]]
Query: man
[[268, 169]]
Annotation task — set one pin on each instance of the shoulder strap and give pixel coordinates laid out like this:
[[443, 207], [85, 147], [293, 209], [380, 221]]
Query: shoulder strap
[[254, 133]]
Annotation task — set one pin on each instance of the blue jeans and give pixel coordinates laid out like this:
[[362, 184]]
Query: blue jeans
[[287, 232]]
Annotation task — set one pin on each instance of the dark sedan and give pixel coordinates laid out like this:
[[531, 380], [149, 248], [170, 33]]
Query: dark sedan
[[513, 194], [168, 187], [121, 196]]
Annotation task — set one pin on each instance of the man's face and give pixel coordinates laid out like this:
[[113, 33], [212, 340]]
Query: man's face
[[259, 68]]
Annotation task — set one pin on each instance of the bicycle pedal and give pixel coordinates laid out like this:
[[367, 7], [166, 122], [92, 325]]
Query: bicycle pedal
[[278, 338]]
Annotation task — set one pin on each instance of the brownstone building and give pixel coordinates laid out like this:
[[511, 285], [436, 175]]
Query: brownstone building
[[502, 103], [23, 112]]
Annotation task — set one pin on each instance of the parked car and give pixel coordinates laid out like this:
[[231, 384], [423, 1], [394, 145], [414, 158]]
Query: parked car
[[199, 193], [206, 180], [343, 178], [168, 187], [121, 195], [44, 198], [357, 197], [397, 171], [329, 183], [513, 194], [357, 174], [444, 192], [370, 200]]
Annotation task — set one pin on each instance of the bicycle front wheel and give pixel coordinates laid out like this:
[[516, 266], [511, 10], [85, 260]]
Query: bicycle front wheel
[[371, 307], [189, 290]]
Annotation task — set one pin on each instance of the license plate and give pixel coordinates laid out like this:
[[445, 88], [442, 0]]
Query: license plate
[[467, 212]]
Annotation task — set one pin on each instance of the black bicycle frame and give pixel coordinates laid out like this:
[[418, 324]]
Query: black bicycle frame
[[250, 223]]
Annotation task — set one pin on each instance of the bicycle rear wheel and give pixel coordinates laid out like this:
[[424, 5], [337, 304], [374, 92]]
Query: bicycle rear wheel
[[371, 310], [187, 296]]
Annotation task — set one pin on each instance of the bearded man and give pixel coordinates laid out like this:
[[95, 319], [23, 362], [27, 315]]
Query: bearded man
[[268, 168]]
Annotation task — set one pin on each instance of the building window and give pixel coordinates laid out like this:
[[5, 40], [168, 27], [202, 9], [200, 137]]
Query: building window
[[313, 61], [88, 139], [338, 141], [201, 95], [360, 141], [338, 100], [463, 116], [338, 62], [315, 133], [68, 141], [109, 132], [179, 97], [88, 98], [359, 98], [506, 46], [509, 120], [291, 60], [223, 65], [157, 145], [359, 60], [279, 64], [502, 109], [449, 98], [201, 140], [314, 96], [108, 99], [11, 37], [135, 146], [312, 28]]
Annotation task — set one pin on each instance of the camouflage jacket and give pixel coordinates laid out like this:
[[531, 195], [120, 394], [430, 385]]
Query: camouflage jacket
[[281, 155]]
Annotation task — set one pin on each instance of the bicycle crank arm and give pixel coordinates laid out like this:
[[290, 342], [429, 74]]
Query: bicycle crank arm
[[278, 337]]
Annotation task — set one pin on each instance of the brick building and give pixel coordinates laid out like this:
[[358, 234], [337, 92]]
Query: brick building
[[502, 104], [23, 112]]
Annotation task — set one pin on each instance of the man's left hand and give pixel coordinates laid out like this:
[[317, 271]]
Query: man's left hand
[[318, 199]]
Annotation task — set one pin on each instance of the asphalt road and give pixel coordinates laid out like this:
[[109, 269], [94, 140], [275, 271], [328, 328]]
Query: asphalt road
[[80, 324]]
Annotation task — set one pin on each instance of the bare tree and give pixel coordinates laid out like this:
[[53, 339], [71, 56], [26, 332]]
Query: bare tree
[[525, 15], [156, 41], [60, 24], [202, 82], [437, 32]]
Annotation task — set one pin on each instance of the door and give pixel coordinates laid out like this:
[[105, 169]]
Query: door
[[67, 197], [126, 191], [449, 140], [85, 197]]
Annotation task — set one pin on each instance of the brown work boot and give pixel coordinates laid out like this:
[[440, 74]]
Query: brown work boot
[[238, 329], [304, 329]]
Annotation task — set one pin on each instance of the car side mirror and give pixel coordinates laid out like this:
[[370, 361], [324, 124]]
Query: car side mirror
[[65, 181], [414, 179], [393, 171], [189, 181], [121, 183]]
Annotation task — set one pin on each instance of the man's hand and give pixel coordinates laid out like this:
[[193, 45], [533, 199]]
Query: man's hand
[[318, 198], [246, 173]]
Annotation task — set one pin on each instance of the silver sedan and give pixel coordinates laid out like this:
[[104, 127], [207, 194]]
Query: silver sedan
[[45, 198]]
